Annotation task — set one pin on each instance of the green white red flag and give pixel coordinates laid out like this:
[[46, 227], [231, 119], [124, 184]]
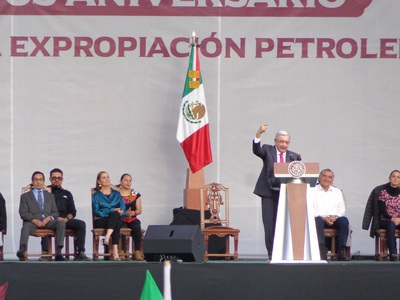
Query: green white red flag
[[150, 289], [193, 129]]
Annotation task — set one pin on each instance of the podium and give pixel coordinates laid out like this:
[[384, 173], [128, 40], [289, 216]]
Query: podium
[[191, 194], [295, 232]]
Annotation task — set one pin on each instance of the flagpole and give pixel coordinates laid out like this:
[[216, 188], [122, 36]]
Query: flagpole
[[193, 127], [193, 39], [167, 280]]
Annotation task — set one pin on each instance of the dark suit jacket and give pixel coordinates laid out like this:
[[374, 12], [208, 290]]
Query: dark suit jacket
[[3, 214], [29, 208], [266, 181]]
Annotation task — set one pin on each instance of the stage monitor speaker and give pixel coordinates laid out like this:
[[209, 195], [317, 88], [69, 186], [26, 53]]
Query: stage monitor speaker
[[174, 242]]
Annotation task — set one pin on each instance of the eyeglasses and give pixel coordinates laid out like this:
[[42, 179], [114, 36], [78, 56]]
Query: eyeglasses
[[56, 178], [37, 179]]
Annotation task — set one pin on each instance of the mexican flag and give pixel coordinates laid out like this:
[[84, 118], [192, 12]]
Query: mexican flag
[[150, 289], [193, 129]]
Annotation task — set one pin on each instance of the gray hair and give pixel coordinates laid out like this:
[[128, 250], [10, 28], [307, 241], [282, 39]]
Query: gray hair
[[327, 170], [280, 133]]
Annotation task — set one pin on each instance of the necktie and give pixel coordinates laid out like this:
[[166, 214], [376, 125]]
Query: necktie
[[281, 160], [40, 200]]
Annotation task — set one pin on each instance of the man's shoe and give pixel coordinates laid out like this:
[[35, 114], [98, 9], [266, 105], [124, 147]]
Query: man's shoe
[[393, 257], [343, 256], [21, 255], [81, 256], [59, 257], [44, 258]]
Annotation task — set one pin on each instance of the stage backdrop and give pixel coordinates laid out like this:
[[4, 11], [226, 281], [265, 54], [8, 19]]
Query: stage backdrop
[[96, 85]]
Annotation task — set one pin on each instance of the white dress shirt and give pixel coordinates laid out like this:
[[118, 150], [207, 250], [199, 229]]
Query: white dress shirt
[[328, 203]]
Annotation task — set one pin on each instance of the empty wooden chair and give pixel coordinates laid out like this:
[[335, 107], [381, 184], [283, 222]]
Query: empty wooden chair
[[215, 200]]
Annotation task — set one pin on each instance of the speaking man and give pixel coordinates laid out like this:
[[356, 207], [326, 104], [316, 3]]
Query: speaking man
[[267, 186]]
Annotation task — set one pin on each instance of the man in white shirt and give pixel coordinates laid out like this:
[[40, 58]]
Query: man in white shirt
[[329, 212]]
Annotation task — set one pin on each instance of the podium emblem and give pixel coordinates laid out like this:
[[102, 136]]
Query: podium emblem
[[297, 169]]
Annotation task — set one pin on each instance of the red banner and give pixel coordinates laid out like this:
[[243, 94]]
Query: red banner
[[223, 8]]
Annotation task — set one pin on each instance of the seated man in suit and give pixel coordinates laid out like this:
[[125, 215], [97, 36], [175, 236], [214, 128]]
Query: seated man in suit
[[38, 210], [329, 212]]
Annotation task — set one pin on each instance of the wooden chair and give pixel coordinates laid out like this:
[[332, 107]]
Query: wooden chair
[[47, 232], [215, 199], [381, 247], [100, 232], [332, 234], [132, 253], [69, 233], [42, 233]]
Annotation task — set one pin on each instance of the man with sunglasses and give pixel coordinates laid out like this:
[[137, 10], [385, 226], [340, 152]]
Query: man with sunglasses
[[67, 212]]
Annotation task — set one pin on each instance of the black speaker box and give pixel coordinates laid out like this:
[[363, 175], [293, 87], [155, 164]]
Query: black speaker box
[[174, 242]]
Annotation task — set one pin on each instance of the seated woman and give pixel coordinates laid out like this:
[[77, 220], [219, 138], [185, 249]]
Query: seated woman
[[389, 211], [133, 205], [108, 210]]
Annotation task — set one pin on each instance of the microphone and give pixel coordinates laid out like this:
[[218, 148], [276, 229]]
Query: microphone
[[298, 157], [291, 158]]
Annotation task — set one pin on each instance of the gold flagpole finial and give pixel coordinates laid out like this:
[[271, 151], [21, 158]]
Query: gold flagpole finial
[[194, 38]]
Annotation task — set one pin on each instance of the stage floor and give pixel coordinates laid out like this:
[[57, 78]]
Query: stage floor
[[244, 279]]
